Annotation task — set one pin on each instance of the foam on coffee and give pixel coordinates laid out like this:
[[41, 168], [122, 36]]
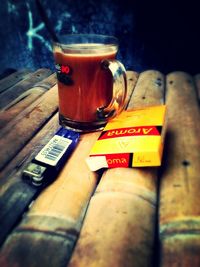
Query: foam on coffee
[[88, 49]]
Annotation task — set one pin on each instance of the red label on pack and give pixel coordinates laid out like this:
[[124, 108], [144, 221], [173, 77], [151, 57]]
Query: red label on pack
[[130, 131], [118, 160]]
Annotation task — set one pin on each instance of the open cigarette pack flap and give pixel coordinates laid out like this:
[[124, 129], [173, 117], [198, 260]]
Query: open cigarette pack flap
[[133, 139]]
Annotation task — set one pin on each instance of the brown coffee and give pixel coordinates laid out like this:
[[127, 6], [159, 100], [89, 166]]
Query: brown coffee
[[92, 84], [84, 85]]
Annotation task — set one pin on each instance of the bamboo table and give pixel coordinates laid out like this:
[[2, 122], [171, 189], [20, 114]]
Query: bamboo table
[[118, 217]]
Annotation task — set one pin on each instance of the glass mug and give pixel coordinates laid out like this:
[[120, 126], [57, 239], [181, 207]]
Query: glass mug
[[92, 84]]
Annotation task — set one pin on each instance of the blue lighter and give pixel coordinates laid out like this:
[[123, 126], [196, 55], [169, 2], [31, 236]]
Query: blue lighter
[[44, 168]]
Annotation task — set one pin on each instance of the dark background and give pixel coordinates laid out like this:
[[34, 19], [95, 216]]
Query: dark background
[[159, 35]]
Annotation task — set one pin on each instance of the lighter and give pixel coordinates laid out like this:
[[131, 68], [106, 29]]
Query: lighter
[[45, 166]]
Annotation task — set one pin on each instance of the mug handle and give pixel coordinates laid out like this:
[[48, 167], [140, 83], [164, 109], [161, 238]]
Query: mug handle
[[118, 102]]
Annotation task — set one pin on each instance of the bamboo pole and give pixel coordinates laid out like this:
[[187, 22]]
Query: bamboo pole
[[15, 195], [197, 84], [14, 91], [118, 229], [15, 135], [13, 78], [25, 100], [180, 184], [53, 223]]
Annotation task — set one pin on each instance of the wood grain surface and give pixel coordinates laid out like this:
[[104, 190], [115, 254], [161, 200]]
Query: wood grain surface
[[13, 78], [179, 206], [119, 226], [197, 85], [13, 92], [21, 129], [54, 220], [26, 99], [16, 195], [139, 217]]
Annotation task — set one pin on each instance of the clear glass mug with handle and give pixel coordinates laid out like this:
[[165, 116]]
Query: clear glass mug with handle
[[92, 84]]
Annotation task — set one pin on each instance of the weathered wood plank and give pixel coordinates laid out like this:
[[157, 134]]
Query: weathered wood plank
[[27, 153], [118, 229], [180, 184], [14, 110], [132, 78], [197, 84], [151, 90], [15, 195], [55, 219], [13, 204], [13, 92], [13, 78], [25, 99], [21, 129]]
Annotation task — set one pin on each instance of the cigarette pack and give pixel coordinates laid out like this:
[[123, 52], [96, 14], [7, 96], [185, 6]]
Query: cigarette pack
[[133, 139]]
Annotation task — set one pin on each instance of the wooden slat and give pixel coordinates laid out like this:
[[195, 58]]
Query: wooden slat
[[55, 219], [180, 183], [13, 204], [25, 99], [28, 152], [150, 92], [21, 129], [132, 78], [15, 195], [118, 229], [13, 78], [13, 92], [197, 84]]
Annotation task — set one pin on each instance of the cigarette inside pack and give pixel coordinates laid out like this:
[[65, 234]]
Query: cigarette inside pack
[[133, 139]]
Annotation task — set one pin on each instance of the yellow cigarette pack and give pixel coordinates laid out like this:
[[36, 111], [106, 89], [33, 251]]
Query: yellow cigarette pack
[[133, 139]]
